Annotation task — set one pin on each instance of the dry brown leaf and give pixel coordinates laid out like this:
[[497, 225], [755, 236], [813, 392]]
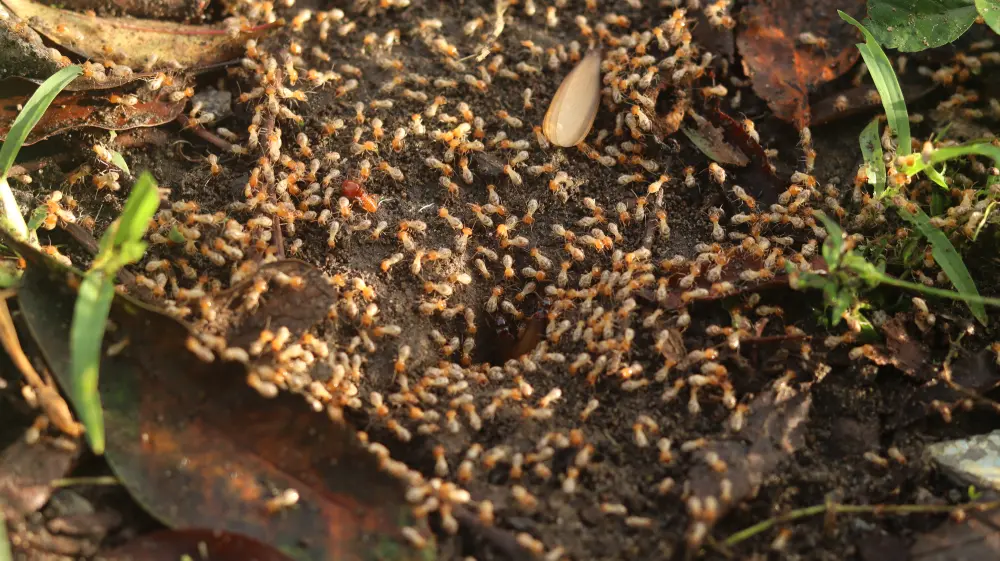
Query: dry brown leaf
[[75, 110], [784, 64], [130, 41]]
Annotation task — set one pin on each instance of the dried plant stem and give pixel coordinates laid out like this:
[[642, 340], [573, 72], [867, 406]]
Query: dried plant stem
[[835, 508]]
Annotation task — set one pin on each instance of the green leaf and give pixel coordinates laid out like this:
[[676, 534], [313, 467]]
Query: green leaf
[[949, 260], [5, 554], [37, 218], [887, 85], [140, 207], [90, 317], [952, 152], [990, 10], [915, 25], [32, 112], [871, 149], [118, 161]]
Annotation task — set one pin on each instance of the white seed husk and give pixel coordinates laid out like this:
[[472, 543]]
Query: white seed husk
[[574, 107]]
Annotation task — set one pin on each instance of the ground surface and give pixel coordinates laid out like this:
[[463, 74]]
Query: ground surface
[[464, 394]]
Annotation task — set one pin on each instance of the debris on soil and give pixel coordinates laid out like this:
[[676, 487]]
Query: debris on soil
[[28, 468], [972, 536], [179, 424], [378, 301]]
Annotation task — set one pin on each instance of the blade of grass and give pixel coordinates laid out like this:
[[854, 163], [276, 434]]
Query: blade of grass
[[139, 210], [121, 245], [90, 317], [952, 152], [948, 258], [871, 149], [5, 554], [33, 110], [887, 85], [10, 214]]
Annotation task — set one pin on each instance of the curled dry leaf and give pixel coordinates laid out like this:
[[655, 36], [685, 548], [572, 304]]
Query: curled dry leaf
[[784, 63], [23, 54], [198, 448], [131, 41], [75, 110]]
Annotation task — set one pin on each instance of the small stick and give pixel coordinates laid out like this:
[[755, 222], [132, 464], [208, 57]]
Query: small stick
[[906, 509], [205, 134]]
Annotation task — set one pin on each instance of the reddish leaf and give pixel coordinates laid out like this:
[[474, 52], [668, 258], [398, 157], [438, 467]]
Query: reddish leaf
[[75, 110], [171, 545], [133, 42], [782, 67], [199, 448], [27, 472]]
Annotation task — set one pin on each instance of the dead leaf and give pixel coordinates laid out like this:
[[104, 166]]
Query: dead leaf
[[297, 309], [975, 538], [134, 42], [780, 63], [27, 472], [171, 545], [759, 179], [75, 110], [181, 10], [775, 429], [24, 55], [199, 448], [708, 138]]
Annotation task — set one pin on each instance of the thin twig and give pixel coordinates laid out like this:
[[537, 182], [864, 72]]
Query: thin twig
[[108, 480], [204, 134], [906, 509]]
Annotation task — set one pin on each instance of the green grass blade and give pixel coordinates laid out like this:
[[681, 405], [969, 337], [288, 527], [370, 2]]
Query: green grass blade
[[32, 112], [871, 149], [118, 161], [139, 209], [5, 554], [949, 260], [90, 317], [952, 152], [10, 213], [887, 85]]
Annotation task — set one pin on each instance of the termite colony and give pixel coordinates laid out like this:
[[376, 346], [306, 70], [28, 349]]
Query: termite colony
[[438, 208]]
